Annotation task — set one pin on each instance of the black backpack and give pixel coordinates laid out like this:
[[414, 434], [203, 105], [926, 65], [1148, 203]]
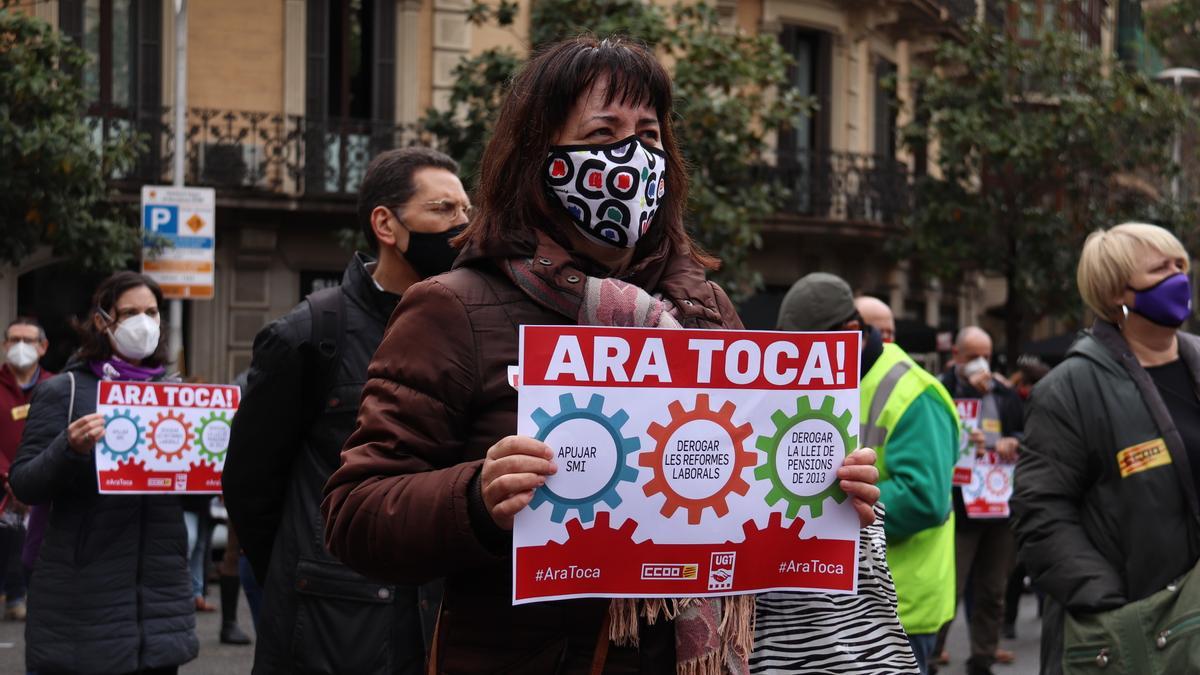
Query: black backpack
[[328, 319]]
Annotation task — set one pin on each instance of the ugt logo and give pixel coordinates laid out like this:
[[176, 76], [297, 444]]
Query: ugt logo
[[720, 571]]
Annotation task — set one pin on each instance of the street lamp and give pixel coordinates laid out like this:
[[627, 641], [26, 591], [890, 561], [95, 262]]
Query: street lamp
[[1178, 76]]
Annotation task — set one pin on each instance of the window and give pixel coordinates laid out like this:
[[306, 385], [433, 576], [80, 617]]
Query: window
[[123, 41], [810, 77], [802, 150], [350, 59], [1083, 18], [350, 83], [123, 76], [885, 108]]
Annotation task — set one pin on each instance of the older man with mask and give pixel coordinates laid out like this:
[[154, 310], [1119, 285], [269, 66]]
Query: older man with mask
[[877, 314], [985, 550], [25, 344]]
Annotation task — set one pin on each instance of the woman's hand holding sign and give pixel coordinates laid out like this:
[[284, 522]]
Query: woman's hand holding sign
[[514, 467], [858, 477], [83, 433]]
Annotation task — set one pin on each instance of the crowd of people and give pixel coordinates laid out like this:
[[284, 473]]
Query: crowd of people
[[373, 473]]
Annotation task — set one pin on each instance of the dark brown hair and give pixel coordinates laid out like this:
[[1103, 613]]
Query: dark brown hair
[[94, 344], [511, 199], [389, 182]]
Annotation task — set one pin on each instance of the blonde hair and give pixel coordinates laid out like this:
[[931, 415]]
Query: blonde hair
[[1110, 258]]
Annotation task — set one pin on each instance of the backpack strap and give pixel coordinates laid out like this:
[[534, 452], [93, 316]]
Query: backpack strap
[[71, 405], [328, 318]]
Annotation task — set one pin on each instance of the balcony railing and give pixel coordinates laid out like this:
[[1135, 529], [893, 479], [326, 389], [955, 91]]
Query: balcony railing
[[961, 11], [257, 153], [844, 186]]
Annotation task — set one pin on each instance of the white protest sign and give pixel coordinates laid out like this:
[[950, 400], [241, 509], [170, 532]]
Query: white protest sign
[[690, 462]]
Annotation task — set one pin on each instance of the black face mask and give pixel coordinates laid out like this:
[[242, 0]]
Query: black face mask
[[430, 253]]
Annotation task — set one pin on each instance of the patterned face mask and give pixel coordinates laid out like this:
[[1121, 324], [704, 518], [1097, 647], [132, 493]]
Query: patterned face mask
[[611, 191]]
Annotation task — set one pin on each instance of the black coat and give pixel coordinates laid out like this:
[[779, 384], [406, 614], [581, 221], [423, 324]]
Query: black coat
[[110, 591], [1090, 538], [318, 616]]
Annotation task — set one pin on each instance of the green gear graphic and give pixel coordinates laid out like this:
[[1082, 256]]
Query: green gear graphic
[[770, 445], [211, 455]]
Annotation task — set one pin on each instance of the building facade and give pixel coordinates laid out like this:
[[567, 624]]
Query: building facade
[[289, 99]]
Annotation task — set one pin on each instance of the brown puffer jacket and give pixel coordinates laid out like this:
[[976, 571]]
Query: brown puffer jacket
[[405, 505]]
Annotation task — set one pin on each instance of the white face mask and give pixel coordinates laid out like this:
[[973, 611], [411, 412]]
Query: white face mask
[[22, 355], [136, 337]]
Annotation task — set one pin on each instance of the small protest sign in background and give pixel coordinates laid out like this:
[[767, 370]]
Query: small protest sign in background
[[991, 486], [968, 414], [163, 437]]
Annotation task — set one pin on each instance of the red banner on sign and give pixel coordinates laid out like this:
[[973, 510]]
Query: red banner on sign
[[772, 557], [637, 357]]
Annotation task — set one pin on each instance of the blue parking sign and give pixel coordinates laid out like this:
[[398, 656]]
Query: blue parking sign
[[161, 219]]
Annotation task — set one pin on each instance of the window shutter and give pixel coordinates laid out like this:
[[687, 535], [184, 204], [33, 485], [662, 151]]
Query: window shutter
[[147, 95], [316, 94], [70, 19], [383, 74], [316, 80], [786, 147]]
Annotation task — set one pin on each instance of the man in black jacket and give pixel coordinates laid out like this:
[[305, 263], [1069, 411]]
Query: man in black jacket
[[985, 550], [300, 405]]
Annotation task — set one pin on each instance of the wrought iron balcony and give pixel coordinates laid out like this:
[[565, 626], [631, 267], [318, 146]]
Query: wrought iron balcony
[[961, 11], [258, 153], [843, 186]]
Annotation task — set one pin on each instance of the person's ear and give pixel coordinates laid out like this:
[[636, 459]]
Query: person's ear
[[386, 228], [853, 324], [43, 345]]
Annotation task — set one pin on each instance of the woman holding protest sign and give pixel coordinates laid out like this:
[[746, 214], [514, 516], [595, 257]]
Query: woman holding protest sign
[[110, 591], [431, 479]]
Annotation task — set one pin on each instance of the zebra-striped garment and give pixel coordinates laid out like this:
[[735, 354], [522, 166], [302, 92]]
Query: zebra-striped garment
[[820, 633]]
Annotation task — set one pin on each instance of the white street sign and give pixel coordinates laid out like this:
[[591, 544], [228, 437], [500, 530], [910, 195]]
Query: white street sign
[[186, 219]]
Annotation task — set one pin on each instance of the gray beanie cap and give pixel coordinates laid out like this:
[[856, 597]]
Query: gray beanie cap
[[818, 301]]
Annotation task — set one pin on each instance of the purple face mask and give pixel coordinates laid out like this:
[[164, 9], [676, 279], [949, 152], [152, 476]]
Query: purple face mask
[[1167, 303]]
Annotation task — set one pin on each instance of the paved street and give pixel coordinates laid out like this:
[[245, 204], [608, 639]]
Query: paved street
[[215, 658], [1026, 646], [219, 659]]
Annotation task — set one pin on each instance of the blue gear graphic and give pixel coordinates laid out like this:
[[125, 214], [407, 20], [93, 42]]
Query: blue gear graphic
[[594, 412], [115, 415]]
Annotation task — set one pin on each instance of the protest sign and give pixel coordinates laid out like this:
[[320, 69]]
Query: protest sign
[[163, 437], [990, 489], [690, 462], [968, 415]]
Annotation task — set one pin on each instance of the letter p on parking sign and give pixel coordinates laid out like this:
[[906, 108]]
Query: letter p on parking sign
[[161, 219]]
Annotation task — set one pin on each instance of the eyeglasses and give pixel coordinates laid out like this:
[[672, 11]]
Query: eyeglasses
[[448, 208]]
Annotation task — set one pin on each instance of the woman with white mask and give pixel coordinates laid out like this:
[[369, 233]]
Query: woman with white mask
[[110, 591]]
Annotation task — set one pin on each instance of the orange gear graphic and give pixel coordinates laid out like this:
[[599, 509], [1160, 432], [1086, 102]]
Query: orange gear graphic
[[742, 459], [153, 435]]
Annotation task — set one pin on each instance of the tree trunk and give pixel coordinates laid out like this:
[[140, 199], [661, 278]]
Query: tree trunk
[[1014, 319], [1014, 307]]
